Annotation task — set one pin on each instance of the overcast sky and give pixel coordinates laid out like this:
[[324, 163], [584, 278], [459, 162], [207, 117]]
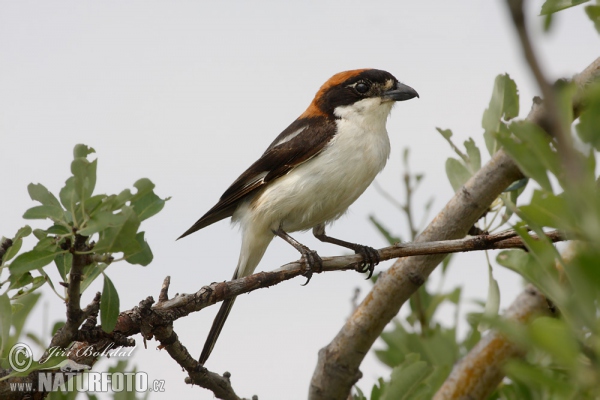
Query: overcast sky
[[190, 93]]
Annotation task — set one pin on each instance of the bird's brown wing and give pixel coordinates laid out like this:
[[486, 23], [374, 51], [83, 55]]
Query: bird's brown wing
[[308, 137]]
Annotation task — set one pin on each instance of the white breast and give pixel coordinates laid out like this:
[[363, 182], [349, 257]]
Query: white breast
[[321, 189]]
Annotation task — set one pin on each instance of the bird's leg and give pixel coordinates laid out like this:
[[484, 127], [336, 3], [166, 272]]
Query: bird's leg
[[370, 256], [310, 258]]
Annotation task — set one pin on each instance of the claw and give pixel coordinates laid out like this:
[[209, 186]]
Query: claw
[[313, 263], [370, 259], [308, 277]]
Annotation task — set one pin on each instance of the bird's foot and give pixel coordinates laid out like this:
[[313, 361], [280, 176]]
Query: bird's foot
[[370, 259], [310, 259], [312, 262]]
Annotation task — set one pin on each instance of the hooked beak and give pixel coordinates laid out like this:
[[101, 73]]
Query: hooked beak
[[400, 93]]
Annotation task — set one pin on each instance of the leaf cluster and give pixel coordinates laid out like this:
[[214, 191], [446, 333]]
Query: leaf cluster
[[562, 353], [106, 226]]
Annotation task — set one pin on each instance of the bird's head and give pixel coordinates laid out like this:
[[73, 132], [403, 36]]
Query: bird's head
[[361, 91]]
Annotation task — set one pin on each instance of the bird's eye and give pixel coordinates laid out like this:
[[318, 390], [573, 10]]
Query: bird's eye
[[361, 87]]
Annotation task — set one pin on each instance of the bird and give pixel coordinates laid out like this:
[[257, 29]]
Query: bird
[[310, 174]]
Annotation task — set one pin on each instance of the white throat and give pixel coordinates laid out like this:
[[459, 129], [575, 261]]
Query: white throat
[[370, 114]]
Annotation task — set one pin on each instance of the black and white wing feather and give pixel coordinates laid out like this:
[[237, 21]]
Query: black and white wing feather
[[298, 143]]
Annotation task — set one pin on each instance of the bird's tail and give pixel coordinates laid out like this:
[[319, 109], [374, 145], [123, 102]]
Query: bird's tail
[[216, 328], [253, 248]]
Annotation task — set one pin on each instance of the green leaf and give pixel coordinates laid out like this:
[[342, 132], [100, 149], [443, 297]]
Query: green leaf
[[552, 6], [492, 305], [359, 394], [40, 234], [438, 348], [31, 260], [521, 153], [56, 327], [504, 104], [20, 316], [68, 195], [145, 202], [554, 337], [446, 133], [42, 212], [94, 203], [81, 150], [586, 263], [84, 173], [517, 186], [377, 391], [109, 305], [547, 210], [17, 242], [474, 155], [541, 272], [406, 378], [91, 272], [548, 22], [18, 281], [391, 239], [51, 363], [46, 244], [38, 192], [540, 144], [538, 378], [5, 321], [58, 230], [36, 283], [121, 238], [142, 257], [12, 250], [438, 299], [63, 264], [115, 202], [457, 173], [101, 221], [23, 232], [593, 13], [588, 128]]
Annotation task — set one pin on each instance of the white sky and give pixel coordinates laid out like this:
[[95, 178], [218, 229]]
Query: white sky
[[190, 93]]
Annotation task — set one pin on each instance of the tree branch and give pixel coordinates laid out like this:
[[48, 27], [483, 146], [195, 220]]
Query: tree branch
[[338, 365], [476, 376], [75, 315], [144, 317], [554, 122], [155, 320], [197, 374]]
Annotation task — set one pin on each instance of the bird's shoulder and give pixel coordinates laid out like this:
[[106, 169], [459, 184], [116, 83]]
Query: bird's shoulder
[[299, 142]]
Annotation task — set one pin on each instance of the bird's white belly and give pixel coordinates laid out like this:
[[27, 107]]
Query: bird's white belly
[[321, 189]]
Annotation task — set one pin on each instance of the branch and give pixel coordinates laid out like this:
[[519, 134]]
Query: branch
[[155, 320], [75, 315], [198, 375], [475, 376], [554, 122], [338, 365], [144, 317]]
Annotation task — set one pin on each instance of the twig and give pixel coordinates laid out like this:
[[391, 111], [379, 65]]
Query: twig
[[75, 315], [475, 377], [198, 375], [151, 319], [4, 246], [155, 320], [135, 320], [553, 123], [338, 365]]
